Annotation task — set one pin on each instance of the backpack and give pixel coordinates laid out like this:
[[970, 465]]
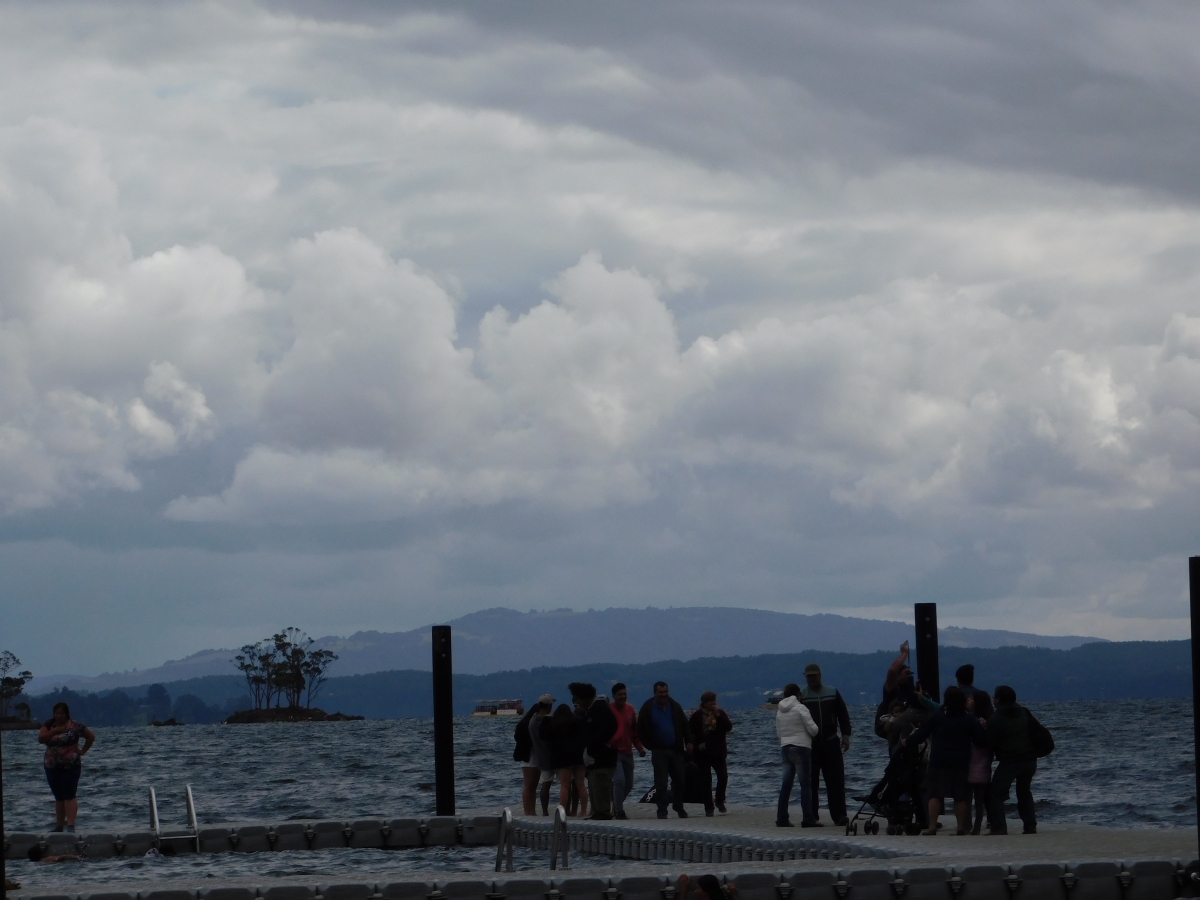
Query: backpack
[[1040, 737], [523, 752]]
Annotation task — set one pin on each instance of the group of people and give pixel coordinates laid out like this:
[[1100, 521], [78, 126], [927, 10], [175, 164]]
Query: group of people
[[957, 743], [971, 748], [588, 750]]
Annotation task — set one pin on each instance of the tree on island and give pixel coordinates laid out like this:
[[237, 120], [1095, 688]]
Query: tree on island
[[284, 668], [10, 685]]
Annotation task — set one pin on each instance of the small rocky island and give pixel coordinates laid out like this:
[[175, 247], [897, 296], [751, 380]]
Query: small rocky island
[[287, 714], [286, 669]]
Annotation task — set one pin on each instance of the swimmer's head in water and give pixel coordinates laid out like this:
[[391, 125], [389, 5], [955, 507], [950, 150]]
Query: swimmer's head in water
[[35, 853], [708, 887]]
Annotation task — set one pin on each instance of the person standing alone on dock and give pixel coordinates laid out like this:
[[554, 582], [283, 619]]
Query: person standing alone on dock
[[663, 728], [64, 762], [828, 710], [623, 742], [599, 726]]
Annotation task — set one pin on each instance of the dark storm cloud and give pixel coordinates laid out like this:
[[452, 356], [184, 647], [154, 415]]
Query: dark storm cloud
[[367, 318]]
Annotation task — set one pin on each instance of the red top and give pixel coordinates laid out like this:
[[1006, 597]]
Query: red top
[[626, 737]]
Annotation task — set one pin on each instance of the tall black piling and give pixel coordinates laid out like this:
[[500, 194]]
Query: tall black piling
[[443, 720], [3, 865], [925, 617], [1194, 579]]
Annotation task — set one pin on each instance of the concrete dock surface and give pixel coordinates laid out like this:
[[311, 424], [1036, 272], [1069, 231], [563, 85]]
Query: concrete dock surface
[[1106, 862], [1052, 842]]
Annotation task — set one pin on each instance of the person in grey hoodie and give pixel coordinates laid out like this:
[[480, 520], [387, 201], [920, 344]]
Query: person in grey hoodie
[[795, 726]]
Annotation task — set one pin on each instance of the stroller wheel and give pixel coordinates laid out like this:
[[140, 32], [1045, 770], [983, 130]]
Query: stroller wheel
[[874, 828], [891, 829]]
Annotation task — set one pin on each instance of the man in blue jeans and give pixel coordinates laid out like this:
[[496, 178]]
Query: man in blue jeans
[[624, 742], [663, 728], [795, 727]]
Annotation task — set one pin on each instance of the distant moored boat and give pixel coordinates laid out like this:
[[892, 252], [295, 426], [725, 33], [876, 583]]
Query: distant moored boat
[[773, 698], [499, 708]]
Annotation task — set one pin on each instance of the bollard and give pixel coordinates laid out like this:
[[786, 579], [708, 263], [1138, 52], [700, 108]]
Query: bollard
[[3, 865], [443, 720], [925, 617]]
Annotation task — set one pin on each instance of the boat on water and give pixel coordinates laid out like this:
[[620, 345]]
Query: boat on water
[[772, 699], [487, 708]]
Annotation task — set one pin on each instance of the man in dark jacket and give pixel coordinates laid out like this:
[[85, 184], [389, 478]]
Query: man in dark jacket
[[1009, 737], [663, 728], [599, 725], [829, 711]]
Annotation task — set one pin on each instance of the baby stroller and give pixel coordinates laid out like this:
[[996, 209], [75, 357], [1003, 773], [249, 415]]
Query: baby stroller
[[896, 798]]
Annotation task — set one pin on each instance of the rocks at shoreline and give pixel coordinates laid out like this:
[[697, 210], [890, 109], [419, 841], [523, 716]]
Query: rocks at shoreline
[[15, 723], [287, 714]]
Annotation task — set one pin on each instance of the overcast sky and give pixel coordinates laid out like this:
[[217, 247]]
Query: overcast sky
[[369, 322]]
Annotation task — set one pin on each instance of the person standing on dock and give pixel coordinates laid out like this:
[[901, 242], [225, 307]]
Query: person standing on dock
[[623, 742], [663, 727], [523, 755], [828, 710], [540, 751], [709, 725], [795, 727], [1008, 734], [563, 733], [64, 762], [599, 726]]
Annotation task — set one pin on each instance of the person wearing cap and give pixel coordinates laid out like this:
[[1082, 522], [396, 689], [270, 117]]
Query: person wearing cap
[[541, 752], [623, 742], [828, 710]]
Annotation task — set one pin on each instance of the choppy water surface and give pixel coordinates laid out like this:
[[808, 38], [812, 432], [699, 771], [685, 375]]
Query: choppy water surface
[[1123, 763]]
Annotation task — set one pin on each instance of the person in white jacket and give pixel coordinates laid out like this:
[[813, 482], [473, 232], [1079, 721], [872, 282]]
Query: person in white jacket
[[795, 726]]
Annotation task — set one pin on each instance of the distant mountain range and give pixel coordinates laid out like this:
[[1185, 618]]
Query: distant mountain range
[[497, 640], [1110, 671]]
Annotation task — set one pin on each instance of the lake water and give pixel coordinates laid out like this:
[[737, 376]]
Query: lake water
[[1123, 763]]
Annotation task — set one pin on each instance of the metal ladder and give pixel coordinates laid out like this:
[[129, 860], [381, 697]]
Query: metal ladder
[[193, 832]]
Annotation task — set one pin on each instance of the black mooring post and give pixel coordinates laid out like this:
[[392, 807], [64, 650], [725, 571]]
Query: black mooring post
[[925, 616], [3, 866], [443, 720], [1194, 578]]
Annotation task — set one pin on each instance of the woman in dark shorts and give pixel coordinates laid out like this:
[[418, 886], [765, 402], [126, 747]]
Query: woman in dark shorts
[[64, 762], [953, 731]]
